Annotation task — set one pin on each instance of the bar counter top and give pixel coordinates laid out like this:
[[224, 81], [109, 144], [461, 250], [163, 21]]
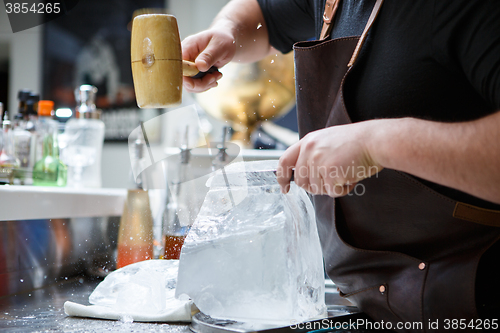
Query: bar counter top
[[39, 202], [41, 310]]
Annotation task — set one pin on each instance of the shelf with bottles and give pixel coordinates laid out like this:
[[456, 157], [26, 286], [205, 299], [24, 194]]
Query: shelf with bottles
[[49, 153]]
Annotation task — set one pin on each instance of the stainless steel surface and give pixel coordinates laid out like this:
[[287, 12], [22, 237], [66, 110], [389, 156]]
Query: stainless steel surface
[[337, 306], [347, 323], [85, 97], [36, 253], [205, 324], [42, 310]]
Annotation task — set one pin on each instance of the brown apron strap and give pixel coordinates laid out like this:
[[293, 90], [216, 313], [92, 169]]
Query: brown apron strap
[[369, 24], [331, 7], [477, 215], [330, 10]]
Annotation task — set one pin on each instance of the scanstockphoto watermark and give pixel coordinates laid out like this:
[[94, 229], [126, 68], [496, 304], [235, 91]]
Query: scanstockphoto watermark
[[430, 325], [356, 324]]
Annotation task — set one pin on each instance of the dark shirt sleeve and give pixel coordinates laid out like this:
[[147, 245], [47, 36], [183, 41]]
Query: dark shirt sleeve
[[288, 21], [467, 37]]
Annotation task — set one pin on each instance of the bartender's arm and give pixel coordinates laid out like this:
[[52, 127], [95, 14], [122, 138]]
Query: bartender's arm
[[238, 33], [464, 156]]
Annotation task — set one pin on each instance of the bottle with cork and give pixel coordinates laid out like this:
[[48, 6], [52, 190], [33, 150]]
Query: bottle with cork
[[49, 170], [85, 137]]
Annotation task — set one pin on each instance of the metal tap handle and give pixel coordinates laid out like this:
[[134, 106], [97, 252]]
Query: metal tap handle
[[222, 155], [185, 151]]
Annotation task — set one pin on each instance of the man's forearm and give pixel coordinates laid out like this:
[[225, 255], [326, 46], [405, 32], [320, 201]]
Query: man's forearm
[[464, 156], [245, 21]]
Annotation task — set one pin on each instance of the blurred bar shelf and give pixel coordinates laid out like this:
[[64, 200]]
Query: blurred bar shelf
[[34, 202]]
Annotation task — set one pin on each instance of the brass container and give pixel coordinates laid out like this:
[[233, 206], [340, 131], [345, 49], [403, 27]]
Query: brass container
[[251, 93]]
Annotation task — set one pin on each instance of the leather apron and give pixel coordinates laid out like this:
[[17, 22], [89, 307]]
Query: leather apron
[[399, 251]]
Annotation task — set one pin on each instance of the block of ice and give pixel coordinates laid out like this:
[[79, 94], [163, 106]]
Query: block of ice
[[146, 288], [258, 259]]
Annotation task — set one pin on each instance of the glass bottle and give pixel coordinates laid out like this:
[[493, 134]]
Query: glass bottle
[[84, 135], [45, 124], [25, 136], [135, 236], [8, 161], [49, 170]]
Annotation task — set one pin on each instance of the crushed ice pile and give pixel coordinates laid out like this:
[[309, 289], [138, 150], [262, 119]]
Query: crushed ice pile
[[144, 291], [253, 253]]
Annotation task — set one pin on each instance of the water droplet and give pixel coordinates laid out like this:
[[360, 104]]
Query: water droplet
[[148, 58], [21, 280], [272, 61], [259, 94], [126, 318], [259, 26], [131, 238]]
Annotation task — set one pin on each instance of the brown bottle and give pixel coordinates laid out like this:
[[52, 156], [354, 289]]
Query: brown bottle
[[135, 238]]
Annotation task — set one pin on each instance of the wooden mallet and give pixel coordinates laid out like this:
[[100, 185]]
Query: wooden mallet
[[157, 65]]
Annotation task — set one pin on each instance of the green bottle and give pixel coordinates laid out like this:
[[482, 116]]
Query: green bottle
[[49, 170]]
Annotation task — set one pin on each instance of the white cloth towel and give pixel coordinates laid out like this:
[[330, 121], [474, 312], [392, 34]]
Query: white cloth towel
[[144, 291], [181, 313]]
